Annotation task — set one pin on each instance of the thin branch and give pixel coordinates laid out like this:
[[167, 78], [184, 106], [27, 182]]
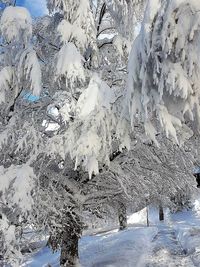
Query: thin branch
[[106, 29]]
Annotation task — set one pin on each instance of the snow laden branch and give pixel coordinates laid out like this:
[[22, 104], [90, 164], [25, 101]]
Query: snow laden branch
[[6, 78], [88, 138], [19, 55], [70, 65], [30, 68], [16, 24], [164, 68], [16, 187], [77, 25]]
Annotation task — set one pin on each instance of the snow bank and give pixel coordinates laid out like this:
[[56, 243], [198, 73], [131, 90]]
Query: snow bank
[[139, 217]]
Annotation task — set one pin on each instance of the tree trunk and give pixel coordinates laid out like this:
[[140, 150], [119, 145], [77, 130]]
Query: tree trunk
[[161, 213], [69, 249], [122, 216], [67, 238], [147, 210], [69, 245]]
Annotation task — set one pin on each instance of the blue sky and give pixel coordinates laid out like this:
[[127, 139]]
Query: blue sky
[[36, 7]]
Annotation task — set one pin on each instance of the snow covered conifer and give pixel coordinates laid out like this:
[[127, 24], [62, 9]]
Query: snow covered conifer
[[76, 31], [19, 70], [164, 68], [19, 61]]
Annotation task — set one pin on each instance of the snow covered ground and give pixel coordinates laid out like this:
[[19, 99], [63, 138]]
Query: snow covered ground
[[174, 243]]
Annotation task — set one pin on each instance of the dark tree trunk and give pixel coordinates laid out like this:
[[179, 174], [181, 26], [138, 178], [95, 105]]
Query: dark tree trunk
[[161, 213], [69, 244], [122, 216], [147, 216], [69, 248], [67, 239]]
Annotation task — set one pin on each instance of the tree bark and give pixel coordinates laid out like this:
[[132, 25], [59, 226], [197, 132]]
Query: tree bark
[[69, 244], [122, 216], [147, 216], [67, 239], [161, 213], [69, 249]]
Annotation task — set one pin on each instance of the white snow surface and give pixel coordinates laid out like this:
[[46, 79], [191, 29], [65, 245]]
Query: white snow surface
[[173, 243], [107, 249]]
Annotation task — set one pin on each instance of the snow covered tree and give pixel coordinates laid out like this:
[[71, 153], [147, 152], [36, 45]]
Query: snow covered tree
[[83, 48], [163, 67], [83, 100], [19, 68]]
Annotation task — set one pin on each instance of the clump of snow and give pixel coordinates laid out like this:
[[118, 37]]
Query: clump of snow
[[65, 111], [122, 45], [16, 23], [70, 65], [50, 126], [53, 111], [69, 32], [30, 65], [98, 93]]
